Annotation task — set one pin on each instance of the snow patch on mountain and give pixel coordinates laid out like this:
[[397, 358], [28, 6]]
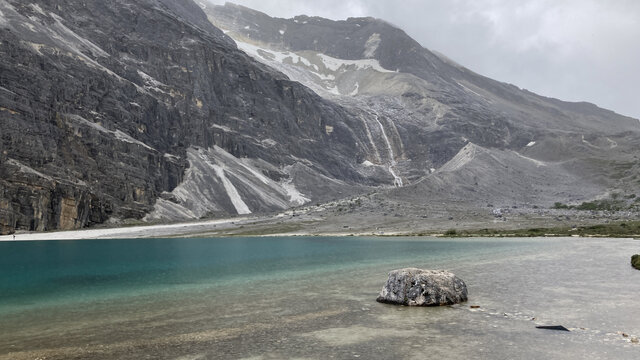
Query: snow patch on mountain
[[277, 56], [355, 90], [127, 138], [6, 10], [117, 133], [151, 83], [335, 64], [72, 40], [326, 75], [37, 9], [28, 170]]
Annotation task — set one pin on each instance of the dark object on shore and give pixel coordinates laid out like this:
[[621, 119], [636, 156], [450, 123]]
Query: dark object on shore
[[553, 327], [635, 261], [475, 306], [417, 287]]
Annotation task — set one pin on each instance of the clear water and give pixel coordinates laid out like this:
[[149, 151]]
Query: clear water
[[275, 298]]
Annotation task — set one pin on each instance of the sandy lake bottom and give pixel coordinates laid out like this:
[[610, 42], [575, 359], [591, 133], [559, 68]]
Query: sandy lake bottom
[[314, 298]]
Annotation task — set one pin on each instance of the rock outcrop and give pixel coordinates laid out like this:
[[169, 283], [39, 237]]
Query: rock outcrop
[[417, 287], [445, 132], [101, 101]]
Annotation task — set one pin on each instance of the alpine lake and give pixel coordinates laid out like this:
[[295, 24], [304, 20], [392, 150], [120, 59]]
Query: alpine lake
[[314, 298]]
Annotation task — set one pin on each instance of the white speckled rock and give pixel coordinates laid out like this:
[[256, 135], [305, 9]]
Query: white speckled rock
[[417, 287]]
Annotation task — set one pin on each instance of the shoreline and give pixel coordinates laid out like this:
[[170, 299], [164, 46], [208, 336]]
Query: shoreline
[[233, 227], [135, 232]]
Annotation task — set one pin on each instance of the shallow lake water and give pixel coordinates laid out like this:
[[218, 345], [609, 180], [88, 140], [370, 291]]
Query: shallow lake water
[[314, 298]]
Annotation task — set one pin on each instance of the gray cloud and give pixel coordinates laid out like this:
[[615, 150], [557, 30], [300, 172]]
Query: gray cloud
[[575, 50]]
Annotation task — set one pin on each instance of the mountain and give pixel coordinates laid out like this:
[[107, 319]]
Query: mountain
[[165, 110], [446, 131], [107, 107]]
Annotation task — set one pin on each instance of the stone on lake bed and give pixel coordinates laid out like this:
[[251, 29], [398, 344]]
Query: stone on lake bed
[[417, 287]]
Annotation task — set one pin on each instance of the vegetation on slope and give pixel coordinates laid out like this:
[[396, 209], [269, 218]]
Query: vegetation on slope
[[616, 202], [635, 261], [619, 229]]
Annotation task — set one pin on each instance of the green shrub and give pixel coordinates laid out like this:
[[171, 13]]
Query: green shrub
[[635, 261], [610, 205], [560, 205]]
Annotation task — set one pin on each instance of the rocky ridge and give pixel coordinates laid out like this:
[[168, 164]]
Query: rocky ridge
[[102, 103], [445, 131]]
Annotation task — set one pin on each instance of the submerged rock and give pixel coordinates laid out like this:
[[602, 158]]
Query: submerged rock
[[417, 287], [635, 261], [553, 327]]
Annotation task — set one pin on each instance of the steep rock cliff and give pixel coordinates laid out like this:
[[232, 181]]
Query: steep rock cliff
[[100, 101]]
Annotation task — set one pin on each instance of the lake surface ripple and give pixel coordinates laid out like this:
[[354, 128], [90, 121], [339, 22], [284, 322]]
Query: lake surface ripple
[[314, 298]]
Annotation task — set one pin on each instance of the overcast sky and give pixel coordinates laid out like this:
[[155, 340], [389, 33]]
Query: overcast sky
[[574, 50]]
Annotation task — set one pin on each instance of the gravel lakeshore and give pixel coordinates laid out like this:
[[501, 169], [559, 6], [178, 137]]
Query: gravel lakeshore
[[337, 219]]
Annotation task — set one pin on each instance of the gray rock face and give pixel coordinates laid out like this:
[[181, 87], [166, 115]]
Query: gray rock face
[[100, 102], [417, 287], [452, 134]]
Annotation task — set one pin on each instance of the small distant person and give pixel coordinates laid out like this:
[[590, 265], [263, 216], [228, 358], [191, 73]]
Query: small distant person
[[14, 236]]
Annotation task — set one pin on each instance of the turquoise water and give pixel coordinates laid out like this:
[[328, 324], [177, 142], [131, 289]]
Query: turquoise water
[[42, 272], [314, 298]]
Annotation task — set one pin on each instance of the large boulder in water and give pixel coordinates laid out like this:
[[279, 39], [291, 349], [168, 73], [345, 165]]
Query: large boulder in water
[[417, 287]]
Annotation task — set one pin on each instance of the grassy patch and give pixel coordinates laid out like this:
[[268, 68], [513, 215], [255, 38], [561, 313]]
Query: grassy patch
[[615, 203], [620, 229], [610, 205], [560, 205]]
